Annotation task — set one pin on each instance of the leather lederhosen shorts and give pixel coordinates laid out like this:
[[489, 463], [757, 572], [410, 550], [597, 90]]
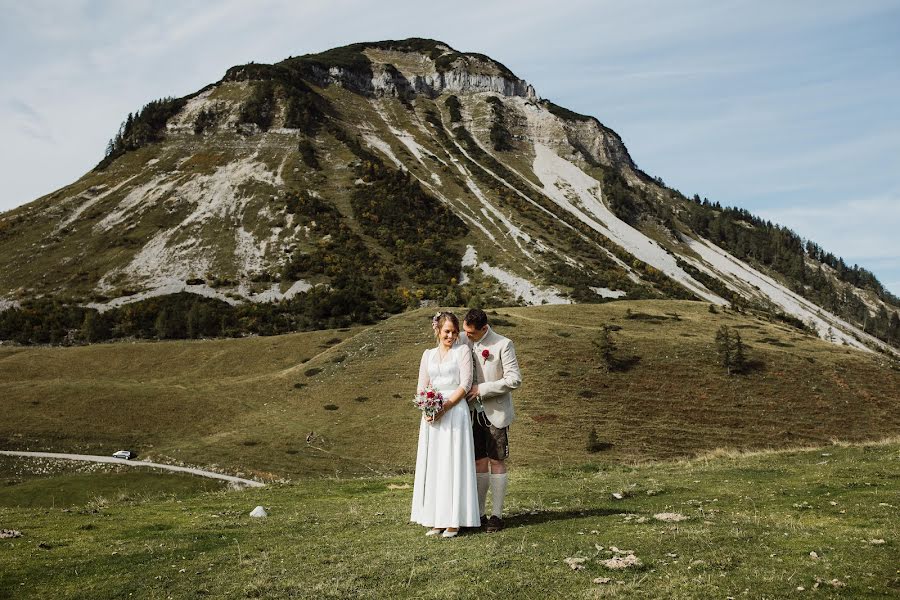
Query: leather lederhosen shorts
[[490, 442]]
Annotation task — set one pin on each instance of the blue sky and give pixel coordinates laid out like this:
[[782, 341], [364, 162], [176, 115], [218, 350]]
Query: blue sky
[[788, 109]]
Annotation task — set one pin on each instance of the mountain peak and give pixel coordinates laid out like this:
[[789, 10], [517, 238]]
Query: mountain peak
[[409, 67], [355, 182]]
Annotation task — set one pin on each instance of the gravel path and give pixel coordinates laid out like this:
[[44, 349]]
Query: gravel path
[[136, 463]]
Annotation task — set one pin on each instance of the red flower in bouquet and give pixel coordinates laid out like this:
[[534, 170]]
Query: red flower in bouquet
[[429, 401]]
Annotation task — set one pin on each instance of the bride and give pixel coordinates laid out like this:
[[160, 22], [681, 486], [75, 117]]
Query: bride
[[445, 494]]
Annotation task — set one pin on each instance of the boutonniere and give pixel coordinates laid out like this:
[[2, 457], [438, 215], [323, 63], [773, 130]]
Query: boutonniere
[[485, 355]]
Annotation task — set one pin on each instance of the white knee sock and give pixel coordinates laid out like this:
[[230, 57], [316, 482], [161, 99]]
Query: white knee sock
[[498, 493], [483, 480]]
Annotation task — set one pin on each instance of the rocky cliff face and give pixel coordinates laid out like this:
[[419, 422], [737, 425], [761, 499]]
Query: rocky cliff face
[[280, 178], [464, 75]]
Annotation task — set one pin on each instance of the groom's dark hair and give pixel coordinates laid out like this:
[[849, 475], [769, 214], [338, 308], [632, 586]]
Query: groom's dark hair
[[476, 318]]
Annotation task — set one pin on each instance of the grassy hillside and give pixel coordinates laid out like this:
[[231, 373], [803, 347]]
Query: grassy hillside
[[814, 523], [336, 402]]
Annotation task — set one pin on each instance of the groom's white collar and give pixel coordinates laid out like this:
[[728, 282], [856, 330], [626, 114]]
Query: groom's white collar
[[484, 338]]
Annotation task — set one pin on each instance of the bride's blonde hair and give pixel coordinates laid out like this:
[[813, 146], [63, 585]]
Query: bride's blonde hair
[[441, 318]]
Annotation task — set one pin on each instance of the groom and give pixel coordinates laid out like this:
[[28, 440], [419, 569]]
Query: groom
[[496, 375]]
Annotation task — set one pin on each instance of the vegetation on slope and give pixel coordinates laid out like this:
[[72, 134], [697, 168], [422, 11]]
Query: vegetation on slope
[[144, 127], [304, 109], [189, 316], [778, 248], [259, 404], [416, 228], [501, 139], [599, 269], [384, 284]]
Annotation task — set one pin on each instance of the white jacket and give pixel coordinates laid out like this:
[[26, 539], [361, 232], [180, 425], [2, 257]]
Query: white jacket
[[497, 375]]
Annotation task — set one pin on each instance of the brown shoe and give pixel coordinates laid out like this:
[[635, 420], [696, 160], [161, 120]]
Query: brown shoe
[[484, 522], [495, 523]]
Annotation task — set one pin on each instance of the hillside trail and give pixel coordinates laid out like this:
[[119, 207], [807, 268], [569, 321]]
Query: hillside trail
[[235, 481]]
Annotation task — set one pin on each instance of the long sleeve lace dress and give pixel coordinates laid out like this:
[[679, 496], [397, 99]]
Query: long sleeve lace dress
[[445, 493]]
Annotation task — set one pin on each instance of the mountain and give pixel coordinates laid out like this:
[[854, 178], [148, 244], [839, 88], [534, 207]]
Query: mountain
[[344, 186]]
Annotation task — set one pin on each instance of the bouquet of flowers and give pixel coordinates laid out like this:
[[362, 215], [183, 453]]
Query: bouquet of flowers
[[429, 401]]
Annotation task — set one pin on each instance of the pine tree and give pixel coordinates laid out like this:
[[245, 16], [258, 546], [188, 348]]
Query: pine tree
[[739, 359], [893, 334], [193, 321], [94, 327], [161, 324], [606, 347], [725, 347]]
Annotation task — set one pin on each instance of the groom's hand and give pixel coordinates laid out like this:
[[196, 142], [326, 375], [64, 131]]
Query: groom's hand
[[473, 392]]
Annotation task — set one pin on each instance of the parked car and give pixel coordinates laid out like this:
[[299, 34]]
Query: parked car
[[126, 454]]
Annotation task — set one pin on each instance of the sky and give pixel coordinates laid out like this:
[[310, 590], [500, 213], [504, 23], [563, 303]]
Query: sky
[[788, 109]]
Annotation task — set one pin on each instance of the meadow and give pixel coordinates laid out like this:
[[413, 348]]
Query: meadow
[[819, 523], [337, 402], [776, 482], [49, 483]]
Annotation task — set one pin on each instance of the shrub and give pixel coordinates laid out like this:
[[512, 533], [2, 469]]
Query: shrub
[[308, 154], [500, 136], [453, 105], [205, 120], [259, 108], [303, 111], [593, 442]]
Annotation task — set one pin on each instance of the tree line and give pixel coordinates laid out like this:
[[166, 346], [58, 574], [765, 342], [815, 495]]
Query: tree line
[[186, 316], [759, 241]]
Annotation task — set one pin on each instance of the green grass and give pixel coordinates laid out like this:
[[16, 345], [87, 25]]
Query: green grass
[[198, 402], [48, 483], [289, 407], [752, 522]]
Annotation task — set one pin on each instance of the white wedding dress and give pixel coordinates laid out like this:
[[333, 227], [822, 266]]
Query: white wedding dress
[[445, 493]]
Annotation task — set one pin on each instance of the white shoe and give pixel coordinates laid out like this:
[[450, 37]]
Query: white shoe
[[431, 532], [449, 534]]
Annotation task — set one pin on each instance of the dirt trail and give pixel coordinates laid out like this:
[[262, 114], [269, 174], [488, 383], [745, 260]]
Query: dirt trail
[[237, 481]]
